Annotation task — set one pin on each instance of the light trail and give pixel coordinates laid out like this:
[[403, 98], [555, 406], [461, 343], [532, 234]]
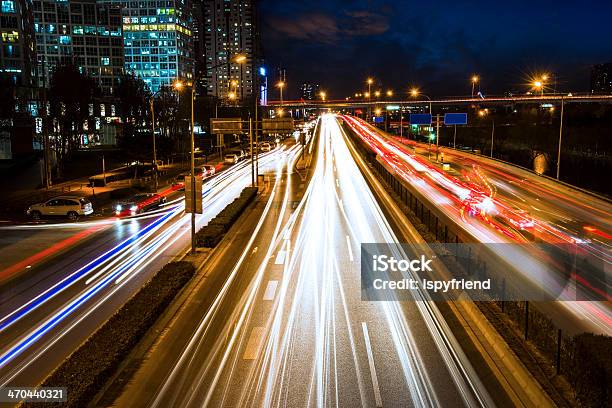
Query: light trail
[[120, 264], [316, 314], [464, 201]]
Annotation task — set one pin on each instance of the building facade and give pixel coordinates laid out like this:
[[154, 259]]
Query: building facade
[[84, 33], [18, 51], [601, 78], [231, 30], [309, 91], [158, 40]]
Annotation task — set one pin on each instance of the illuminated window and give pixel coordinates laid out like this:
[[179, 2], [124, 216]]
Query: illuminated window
[[8, 6]]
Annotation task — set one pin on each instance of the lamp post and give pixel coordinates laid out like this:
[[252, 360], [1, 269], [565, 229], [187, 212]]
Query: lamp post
[[415, 93], [179, 85], [560, 138], [281, 85], [475, 80]]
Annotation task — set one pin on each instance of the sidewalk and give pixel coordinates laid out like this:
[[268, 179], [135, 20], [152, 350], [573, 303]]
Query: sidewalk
[[13, 204]]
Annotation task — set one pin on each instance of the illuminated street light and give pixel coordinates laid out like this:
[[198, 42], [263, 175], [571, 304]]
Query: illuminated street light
[[367, 95], [232, 95], [178, 85], [389, 93], [281, 85], [323, 95], [377, 94], [475, 80], [415, 93], [378, 111]]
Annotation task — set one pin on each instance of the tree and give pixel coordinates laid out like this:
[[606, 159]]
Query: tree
[[134, 97], [70, 94]]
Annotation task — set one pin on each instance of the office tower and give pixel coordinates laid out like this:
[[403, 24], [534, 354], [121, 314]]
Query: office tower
[[84, 33], [231, 30], [17, 54], [158, 40]]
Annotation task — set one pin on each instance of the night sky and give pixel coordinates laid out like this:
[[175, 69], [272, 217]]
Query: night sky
[[436, 45]]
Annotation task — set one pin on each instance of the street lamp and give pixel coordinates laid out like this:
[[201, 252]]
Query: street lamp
[[539, 85], [377, 94], [415, 93], [178, 85], [390, 93], [281, 85], [475, 80], [323, 95]]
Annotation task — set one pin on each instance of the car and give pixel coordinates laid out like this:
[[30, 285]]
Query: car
[[265, 147], [179, 182], [231, 158], [62, 206], [208, 170], [139, 203]]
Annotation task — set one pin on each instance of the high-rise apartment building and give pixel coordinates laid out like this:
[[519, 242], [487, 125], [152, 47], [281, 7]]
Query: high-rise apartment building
[[158, 40], [231, 30], [309, 91], [84, 33], [601, 78], [17, 52]]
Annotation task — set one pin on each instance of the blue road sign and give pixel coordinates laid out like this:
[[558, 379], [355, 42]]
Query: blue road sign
[[420, 119], [379, 119], [455, 118]]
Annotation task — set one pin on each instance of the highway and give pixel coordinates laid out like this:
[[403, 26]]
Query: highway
[[281, 322], [59, 282], [495, 202]]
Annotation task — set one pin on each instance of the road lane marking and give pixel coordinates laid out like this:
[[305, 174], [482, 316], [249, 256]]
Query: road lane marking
[[280, 258], [377, 396], [254, 250], [254, 343], [337, 183], [270, 290], [350, 250]]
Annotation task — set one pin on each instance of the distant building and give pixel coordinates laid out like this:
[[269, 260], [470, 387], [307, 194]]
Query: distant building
[[85, 33], [309, 91], [230, 30], [158, 40], [18, 50], [601, 78]]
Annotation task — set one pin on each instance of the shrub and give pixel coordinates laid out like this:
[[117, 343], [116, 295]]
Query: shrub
[[211, 234], [86, 370]]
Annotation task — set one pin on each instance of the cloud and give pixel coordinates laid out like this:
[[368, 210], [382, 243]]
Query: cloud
[[323, 28]]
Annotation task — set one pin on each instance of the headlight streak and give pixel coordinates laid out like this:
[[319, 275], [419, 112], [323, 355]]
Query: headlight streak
[[137, 263], [487, 231], [195, 339], [312, 265]]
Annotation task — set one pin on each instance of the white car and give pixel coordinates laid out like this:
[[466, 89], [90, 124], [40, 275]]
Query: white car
[[208, 170], [231, 158], [265, 147], [62, 206]]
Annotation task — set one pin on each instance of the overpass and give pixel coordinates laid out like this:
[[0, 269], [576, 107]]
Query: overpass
[[495, 100]]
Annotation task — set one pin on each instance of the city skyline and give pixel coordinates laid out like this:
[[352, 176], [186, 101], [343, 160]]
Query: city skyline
[[437, 47]]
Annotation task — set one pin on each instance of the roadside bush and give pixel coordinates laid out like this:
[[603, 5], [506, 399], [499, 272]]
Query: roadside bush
[[211, 234], [86, 370]]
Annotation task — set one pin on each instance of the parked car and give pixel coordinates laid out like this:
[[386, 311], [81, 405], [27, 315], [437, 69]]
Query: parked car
[[139, 203], [231, 158], [265, 147], [61, 206]]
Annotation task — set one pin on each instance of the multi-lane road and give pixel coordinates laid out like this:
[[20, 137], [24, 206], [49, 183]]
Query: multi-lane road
[[289, 327], [59, 282], [275, 316], [494, 202]]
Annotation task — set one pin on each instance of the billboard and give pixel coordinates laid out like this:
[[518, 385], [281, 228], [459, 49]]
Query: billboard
[[455, 118], [420, 118]]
